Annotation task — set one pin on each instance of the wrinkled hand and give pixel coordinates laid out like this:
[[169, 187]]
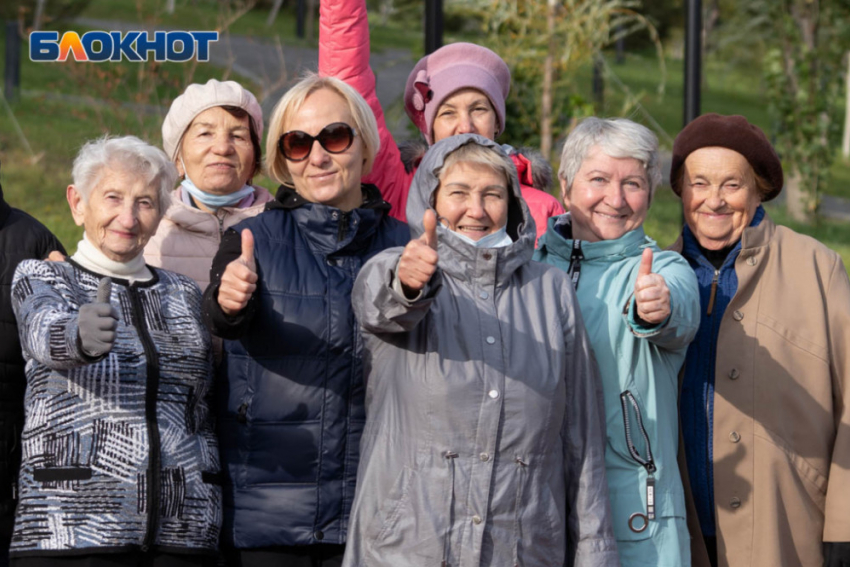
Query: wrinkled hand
[[418, 262], [98, 322], [652, 296], [239, 279]]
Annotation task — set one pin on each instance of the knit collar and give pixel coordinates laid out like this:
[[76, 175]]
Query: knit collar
[[89, 257]]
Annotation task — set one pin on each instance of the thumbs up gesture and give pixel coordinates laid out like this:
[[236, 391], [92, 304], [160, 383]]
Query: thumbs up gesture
[[419, 260], [652, 296], [239, 279], [98, 322]]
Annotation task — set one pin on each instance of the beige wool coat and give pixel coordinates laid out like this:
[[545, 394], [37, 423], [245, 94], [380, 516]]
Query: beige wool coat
[[188, 238], [781, 406]]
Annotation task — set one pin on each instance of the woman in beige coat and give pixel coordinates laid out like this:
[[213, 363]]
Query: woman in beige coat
[[212, 133], [765, 401]]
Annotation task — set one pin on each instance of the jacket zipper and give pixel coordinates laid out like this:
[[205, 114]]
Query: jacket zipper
[[151, 391], [576, 258], [648, 463], [450, 457], [713, 292], [343, 226]]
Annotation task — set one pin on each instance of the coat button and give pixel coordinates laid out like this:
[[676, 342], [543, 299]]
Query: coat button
[[483, 295], [752, 261], [487, 256], [735, 502], [491, 340], [320, 535], [733, 374], [734, 437], [476, 519], [484, 457], [493, 394], [737, 315]]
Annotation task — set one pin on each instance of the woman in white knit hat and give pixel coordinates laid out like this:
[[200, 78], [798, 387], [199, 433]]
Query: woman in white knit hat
[[212, 133]]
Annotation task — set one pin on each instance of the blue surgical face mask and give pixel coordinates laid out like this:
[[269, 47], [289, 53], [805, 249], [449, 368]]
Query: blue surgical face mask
[[214, 201], [498, 239]]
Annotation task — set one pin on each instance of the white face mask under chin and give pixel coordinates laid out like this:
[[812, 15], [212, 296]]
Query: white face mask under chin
[[498, 239]]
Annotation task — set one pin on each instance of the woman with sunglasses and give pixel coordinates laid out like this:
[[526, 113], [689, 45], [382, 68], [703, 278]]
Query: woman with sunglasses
[[459, 89], [291, 398]]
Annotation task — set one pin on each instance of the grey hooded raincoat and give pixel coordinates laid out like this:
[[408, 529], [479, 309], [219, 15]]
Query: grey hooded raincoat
[[484, 442]]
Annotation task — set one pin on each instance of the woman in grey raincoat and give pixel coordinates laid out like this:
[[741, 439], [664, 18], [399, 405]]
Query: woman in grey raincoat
[[484, 441]]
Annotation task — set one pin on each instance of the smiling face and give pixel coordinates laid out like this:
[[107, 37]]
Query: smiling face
[[609, 196], [217, 152], [326, 178], [719, 196], [120, 215], [467, 111], [472, 200]]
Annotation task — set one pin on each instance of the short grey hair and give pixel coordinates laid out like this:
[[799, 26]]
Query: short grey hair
[[127, 154], [617, 137]]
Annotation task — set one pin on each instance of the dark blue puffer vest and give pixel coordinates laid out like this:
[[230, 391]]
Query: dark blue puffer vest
[[292, 402]]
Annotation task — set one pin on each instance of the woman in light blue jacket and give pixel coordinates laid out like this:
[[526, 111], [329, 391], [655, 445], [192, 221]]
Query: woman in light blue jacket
[[640, 305]]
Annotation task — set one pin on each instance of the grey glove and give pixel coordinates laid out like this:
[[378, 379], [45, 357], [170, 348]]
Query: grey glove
[[98, 322]]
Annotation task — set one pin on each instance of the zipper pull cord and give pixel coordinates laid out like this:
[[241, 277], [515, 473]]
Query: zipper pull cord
[[713, 292], [576, 258]]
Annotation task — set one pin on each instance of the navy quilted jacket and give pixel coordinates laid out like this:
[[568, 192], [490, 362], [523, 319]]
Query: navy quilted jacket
[[291, 404]]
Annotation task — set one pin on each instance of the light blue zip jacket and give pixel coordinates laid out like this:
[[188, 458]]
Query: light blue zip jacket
[[639, 368]]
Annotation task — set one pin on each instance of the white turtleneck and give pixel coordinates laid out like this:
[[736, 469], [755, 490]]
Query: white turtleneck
[[91, 258]]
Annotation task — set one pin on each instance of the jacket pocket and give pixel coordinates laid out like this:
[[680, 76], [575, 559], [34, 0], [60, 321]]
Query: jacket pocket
[[411, 527], [629, 513]]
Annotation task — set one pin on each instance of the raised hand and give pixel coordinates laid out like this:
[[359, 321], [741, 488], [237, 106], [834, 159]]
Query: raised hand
[[239, 279], [418, 262], [652, 296], [98, 322]]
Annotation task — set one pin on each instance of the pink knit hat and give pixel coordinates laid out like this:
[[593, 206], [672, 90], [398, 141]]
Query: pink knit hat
[[449, 69], [198, 98]]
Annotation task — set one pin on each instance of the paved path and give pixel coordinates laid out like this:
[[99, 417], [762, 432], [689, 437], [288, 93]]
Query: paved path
[[274, 67]]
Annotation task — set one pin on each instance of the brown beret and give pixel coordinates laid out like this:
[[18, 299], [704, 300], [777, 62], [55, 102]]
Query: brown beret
[[735, 133]]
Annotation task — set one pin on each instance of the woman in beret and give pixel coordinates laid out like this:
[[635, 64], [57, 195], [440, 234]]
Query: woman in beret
[[765, 402]]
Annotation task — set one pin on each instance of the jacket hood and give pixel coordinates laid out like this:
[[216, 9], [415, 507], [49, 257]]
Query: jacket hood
[[422, 194]]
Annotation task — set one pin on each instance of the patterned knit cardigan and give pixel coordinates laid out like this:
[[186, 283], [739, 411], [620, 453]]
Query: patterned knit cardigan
[[96, 428]]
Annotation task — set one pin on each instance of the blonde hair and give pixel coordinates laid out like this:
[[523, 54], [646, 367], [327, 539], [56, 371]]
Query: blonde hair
[[475, 154], [291, 102]]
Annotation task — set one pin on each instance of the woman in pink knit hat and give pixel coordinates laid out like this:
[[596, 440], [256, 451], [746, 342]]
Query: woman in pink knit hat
[[459, 89]]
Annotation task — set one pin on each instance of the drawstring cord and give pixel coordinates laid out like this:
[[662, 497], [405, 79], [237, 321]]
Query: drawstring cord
[[450, 456], [519, 484]]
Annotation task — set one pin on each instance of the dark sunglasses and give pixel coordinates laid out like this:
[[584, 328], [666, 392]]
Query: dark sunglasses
[[296, 145]]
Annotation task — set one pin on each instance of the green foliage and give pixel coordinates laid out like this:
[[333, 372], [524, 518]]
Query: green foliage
[[517, 30], [801, 44]]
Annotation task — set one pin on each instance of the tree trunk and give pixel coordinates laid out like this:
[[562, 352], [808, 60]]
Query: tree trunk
[[796, 198], [311, 16], [39, 13], [273, 13], [845, 144], [548, 73], [169, 7]]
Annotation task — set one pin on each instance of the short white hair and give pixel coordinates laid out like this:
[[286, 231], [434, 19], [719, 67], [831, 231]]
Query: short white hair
[[617, 137], [127, 154]]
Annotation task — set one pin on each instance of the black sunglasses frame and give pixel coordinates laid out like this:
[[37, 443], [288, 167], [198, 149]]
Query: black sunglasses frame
[[320, 137]]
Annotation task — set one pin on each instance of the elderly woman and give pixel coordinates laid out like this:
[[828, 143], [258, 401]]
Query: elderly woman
[[212, 133], [292, 395], [460, 88], [765, 402], [640, 307], [119, 455], [484, 443]]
